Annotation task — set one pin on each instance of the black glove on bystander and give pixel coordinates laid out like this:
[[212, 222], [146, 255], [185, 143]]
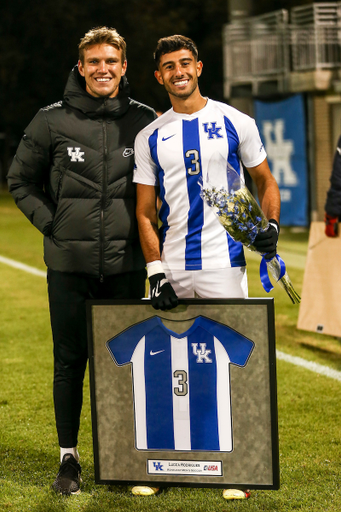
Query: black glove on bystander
[[266, 242], [161, 291]]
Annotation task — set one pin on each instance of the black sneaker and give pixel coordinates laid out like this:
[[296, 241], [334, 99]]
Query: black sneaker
[[69, 476]]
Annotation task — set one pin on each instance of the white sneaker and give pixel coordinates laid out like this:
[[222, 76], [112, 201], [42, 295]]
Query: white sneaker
[[235, 494], [144, 490]]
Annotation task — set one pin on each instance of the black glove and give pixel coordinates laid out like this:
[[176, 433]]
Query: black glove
[[266, 242], [161, 291]]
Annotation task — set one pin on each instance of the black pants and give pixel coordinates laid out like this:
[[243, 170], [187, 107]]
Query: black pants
[[67, 296]]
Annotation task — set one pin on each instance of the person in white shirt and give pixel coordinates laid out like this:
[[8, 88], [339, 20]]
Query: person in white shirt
[[192, 255], [196, 140]]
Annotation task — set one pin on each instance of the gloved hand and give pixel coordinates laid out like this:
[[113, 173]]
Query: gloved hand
[[332, 226], [161, 291], [266, 242]]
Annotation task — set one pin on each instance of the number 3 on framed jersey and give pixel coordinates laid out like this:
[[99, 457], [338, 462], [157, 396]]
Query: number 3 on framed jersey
[[181, 383]]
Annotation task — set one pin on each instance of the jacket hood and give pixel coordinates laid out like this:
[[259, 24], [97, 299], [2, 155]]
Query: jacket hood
[[75, 96]]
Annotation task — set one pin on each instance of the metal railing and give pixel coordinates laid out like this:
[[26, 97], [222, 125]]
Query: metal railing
[[256, 47], [326, 13], [315, 47], [315, 36], [268, 47]]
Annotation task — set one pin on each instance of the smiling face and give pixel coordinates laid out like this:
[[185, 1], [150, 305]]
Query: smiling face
[[102, 69], [178, 72]]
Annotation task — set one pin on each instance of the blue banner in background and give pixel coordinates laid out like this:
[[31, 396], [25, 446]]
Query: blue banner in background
[[282, 128]]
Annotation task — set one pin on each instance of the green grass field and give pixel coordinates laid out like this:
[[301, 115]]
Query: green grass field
[[309, 419]]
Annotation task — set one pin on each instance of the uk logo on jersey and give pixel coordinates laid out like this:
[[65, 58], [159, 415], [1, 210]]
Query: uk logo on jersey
[[75, 154], [202, 354], [212, 131]]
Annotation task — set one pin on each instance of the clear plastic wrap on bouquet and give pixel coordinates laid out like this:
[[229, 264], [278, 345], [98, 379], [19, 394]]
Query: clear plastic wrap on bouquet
[[242, 217]]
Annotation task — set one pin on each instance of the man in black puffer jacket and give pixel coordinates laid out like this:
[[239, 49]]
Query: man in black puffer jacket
[[72, 178]]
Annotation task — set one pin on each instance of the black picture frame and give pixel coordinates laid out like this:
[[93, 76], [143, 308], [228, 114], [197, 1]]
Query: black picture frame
[[254, 461]]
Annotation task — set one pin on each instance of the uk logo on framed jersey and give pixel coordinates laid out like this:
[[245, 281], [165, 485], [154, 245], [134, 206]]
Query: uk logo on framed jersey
[[184, 397]]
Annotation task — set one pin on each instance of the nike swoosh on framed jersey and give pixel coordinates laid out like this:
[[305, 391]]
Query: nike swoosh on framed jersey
[[154, 353], [166, 138]]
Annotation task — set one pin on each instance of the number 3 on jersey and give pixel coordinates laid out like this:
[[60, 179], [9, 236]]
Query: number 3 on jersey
[[195, 168], [182, 376]]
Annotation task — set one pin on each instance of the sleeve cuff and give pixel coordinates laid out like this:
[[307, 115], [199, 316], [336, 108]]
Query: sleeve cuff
[[154, 267]]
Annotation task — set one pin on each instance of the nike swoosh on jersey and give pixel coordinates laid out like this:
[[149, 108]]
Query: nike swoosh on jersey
[[154, 353], [166, 138]]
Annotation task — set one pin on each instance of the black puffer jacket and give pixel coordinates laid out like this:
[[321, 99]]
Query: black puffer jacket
[[72, 177], [333, 203]]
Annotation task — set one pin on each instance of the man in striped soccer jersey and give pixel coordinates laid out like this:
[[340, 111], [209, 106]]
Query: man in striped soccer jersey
[[196, 137], [192, 255]]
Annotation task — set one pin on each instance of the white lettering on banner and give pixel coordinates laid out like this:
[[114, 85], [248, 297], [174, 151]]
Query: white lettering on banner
[[285, 195], [279, 151]]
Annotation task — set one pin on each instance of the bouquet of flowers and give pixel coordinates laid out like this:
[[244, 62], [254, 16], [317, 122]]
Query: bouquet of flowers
[[241, 216]]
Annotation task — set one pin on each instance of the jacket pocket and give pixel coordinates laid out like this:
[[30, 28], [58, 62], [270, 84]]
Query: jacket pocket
[[121, 188], [83, 180]]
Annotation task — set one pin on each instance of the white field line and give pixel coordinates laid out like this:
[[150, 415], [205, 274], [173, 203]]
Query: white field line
[[309, 365], [22, 266], [298, 361]]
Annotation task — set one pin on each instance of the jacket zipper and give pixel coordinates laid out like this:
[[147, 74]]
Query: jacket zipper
[[103, 199], [59, 187]]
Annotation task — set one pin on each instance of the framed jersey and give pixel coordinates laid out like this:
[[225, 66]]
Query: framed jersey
[[185, 397]]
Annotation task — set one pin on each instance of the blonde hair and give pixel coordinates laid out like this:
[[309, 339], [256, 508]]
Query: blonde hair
[[102, 35]]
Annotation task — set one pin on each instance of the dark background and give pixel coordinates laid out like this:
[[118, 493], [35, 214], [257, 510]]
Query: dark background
[[39, 42]]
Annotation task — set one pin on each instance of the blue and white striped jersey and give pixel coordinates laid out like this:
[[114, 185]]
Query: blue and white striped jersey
[[176, 152], [181, 383]]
